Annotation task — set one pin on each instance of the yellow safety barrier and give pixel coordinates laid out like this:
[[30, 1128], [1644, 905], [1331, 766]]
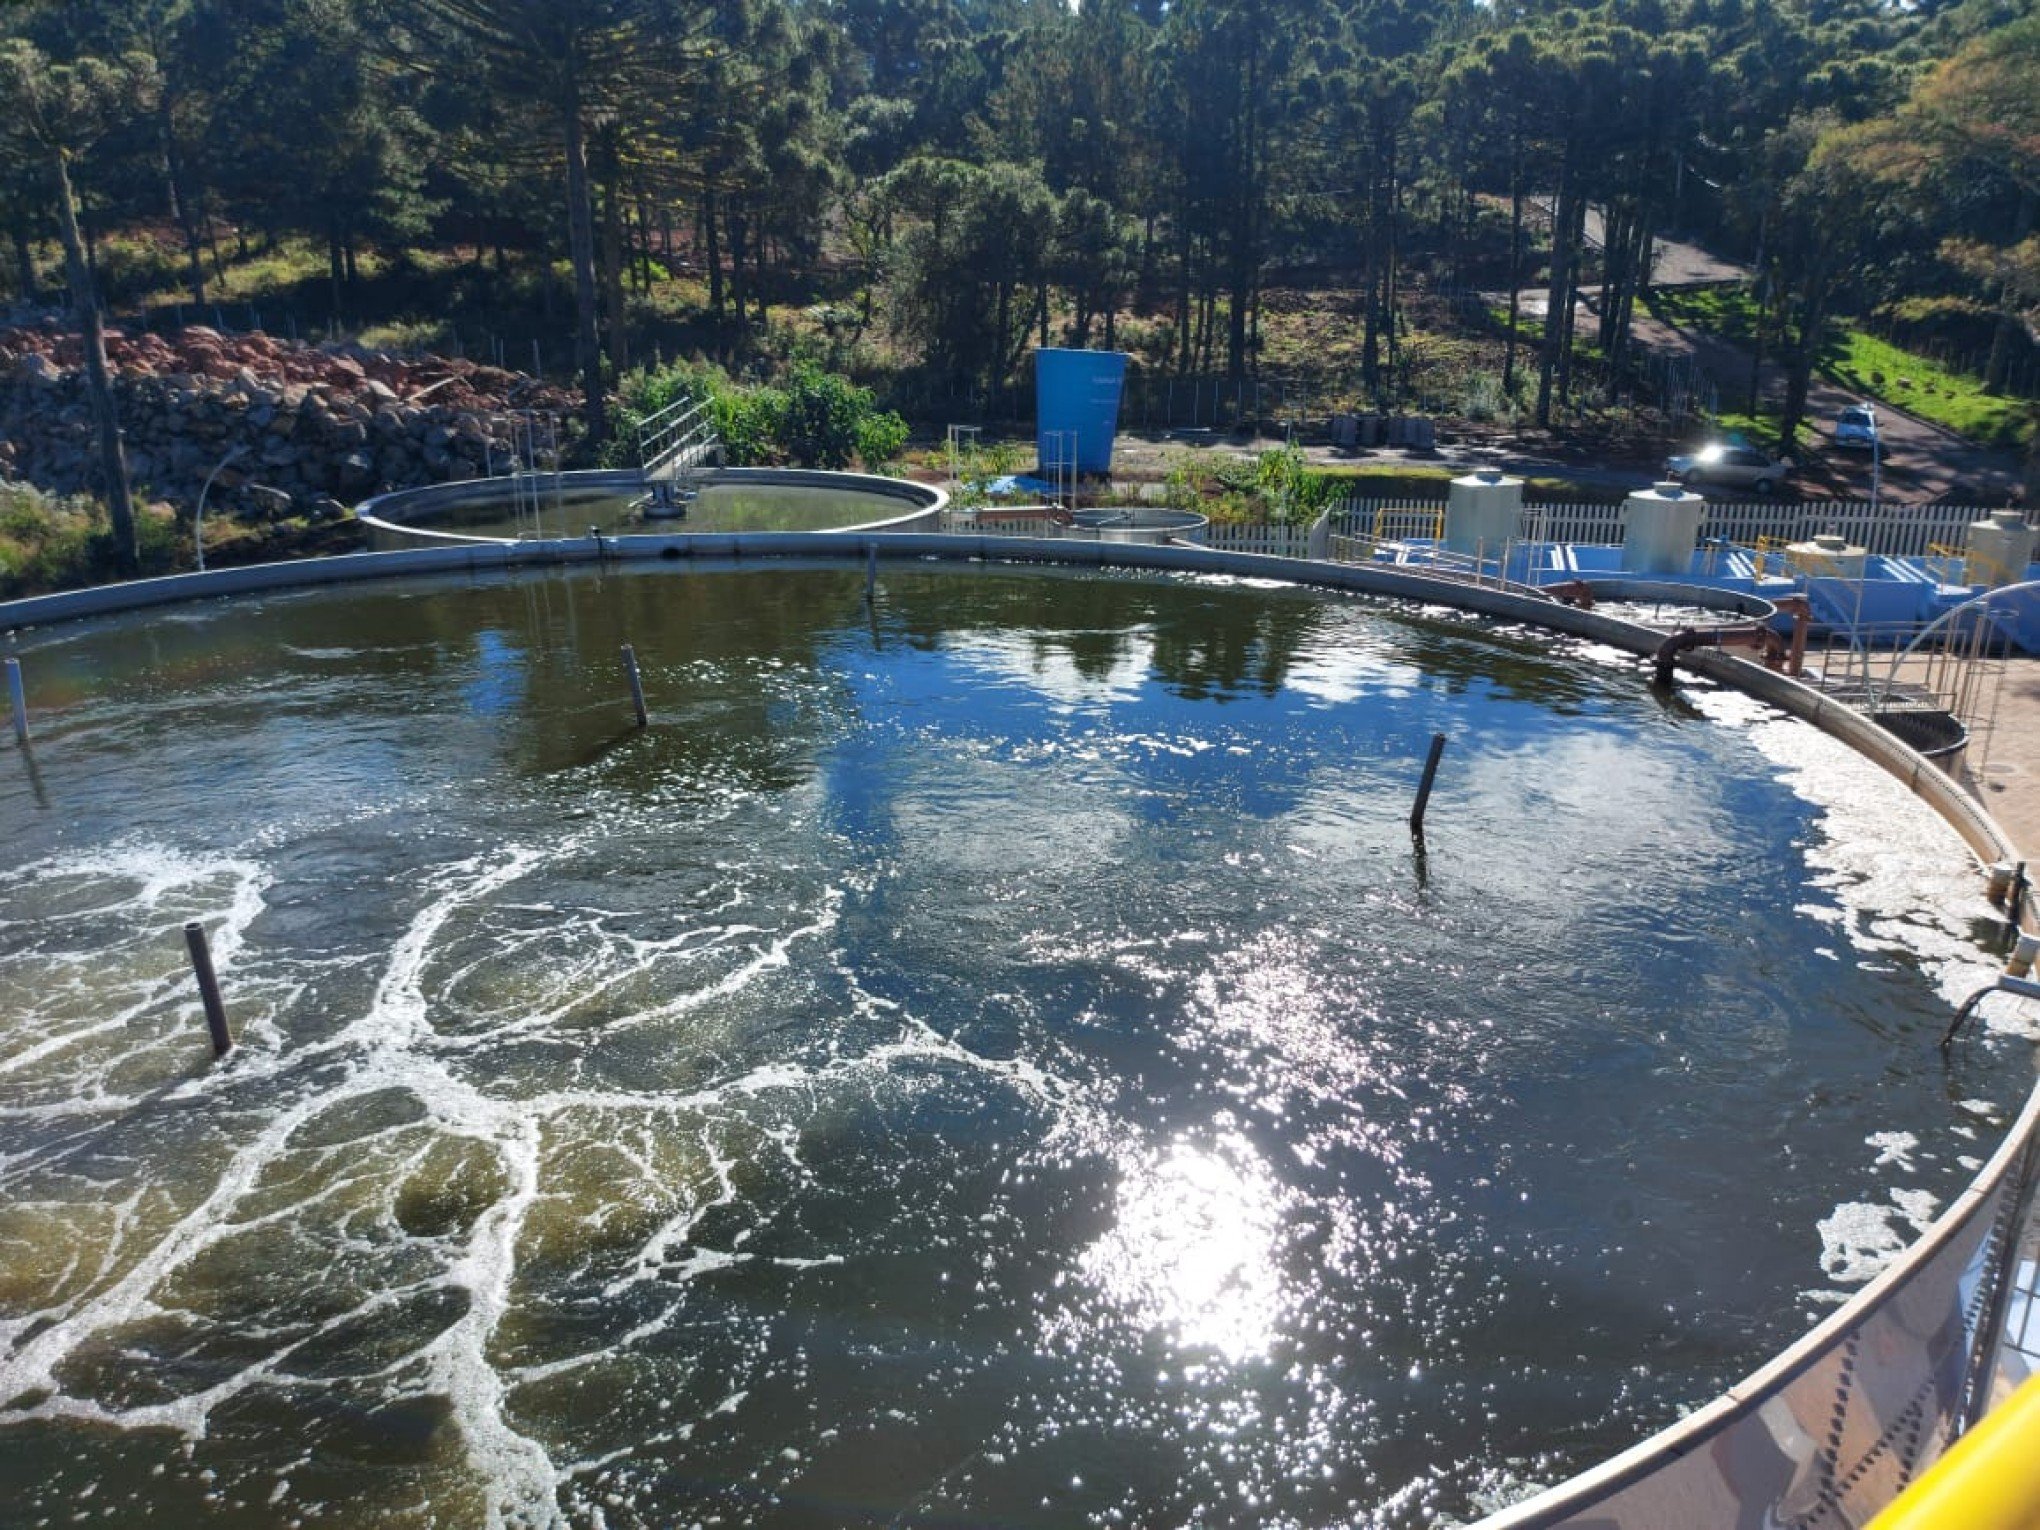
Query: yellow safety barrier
[[1988, 1480], [1766, 546], [1950, 561], [1395, 523]]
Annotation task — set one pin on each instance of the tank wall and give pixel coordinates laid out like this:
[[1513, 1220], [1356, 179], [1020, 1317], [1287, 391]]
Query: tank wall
[[1659, 533], [1483, 515]]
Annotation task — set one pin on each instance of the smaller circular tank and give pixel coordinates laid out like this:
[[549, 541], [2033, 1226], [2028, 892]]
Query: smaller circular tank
[[1483, 513], [1828, 556], [2000, 548], [1661, 527]]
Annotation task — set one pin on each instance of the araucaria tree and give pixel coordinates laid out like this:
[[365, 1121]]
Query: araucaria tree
[[50, 115]]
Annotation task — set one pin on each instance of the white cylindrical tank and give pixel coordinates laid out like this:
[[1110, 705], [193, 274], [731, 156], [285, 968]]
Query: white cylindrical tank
[[1827, 556], [2000, 548], [1483, 513], [1661, 527]]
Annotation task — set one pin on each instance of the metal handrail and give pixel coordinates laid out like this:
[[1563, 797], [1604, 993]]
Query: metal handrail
[[679, 437]]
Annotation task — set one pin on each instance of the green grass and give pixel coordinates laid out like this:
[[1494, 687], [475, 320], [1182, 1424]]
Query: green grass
[[1759, 429], [1862, 363], [1919, 386], [52, 542], [1730, 312]]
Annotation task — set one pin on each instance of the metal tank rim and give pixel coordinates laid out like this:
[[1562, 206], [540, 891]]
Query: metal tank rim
[[1985, 838]]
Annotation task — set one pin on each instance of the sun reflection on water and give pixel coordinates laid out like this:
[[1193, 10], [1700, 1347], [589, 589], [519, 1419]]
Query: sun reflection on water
[[1194, 1250]]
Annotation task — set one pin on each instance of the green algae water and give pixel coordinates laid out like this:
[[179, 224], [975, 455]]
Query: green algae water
[[990, 1057], [727, 506]]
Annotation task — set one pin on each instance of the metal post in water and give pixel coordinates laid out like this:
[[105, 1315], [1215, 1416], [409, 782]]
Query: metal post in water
[[871, 573], [208, 988], [637, 685], [1424, 787], [17, 702]]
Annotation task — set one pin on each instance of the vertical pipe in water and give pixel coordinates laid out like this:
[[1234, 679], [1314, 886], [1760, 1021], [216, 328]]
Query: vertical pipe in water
[[208, 988], [1424, 787], [637, 688], [17, 702]]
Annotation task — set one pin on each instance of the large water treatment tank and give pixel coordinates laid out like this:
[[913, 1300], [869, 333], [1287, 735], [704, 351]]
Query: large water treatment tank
[[1483, 513], [1661, 527], [2000, 548], [1076, 408]]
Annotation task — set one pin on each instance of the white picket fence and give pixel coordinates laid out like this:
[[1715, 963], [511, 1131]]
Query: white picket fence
[[1274, 540], [1897, 531]]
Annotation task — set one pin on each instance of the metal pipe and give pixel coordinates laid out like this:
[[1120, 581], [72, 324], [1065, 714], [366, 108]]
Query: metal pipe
[[1424, 787], [208, 988], [637, 687], [234, 454]]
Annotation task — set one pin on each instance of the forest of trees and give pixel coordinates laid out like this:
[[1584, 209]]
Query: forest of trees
[[971, 177]]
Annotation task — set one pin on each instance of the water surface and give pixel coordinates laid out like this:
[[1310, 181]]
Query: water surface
[[990, 1058]]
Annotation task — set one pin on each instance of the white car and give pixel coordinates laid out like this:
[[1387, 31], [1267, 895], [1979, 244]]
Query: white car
[[1856, 426], [1730, 462]]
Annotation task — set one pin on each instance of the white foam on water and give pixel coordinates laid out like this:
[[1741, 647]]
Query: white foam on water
[[386, 1048], [135, 926], [1858, 1240], [1894, 1148], [1902, 878]]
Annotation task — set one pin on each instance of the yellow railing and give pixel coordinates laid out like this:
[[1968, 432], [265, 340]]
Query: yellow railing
[[1988, 1480], [1768, 547], [1395, 525]]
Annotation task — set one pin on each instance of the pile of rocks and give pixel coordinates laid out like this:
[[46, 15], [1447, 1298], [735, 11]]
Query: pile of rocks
[[310, 430]]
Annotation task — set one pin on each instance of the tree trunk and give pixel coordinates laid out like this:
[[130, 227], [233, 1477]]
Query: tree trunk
[[1812, 326], [998, 356], [1146, 283], [581, 245], [1997, 370], [85, 303], [712, 254], [1569, 317], [24, 262], [183, 205], [1558, 294], [612, 264], [336, 269], [1391, 276], [740, 285], [1515, 265]]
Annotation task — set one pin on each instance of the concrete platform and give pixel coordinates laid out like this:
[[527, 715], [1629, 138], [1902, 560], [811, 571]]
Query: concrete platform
[[2006, 780]]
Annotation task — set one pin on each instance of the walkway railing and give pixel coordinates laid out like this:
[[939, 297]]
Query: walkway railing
[[674, 445]]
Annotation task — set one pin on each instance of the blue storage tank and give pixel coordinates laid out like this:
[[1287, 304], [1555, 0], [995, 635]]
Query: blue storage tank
[[1077, 391]]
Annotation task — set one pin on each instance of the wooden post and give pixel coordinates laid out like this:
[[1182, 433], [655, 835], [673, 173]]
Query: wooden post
[[208, 988], [17, 702], [1424, 788], [637, 686]]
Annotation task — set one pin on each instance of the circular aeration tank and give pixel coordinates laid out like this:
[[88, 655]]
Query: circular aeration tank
[[989, 1043]]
